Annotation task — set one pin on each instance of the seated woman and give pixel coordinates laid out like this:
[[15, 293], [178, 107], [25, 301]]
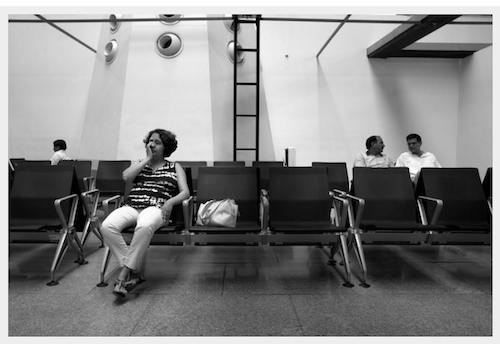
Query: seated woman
[[158, 185]]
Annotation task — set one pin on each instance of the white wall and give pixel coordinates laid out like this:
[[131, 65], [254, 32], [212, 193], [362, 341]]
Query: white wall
[[49, 81], [101, 129], [475, 125], [168, 93], [327, 107]]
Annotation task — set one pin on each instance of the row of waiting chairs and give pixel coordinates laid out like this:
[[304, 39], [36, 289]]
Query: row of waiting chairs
[[53, 203], [297, 182], [241, 183], [298, 200]]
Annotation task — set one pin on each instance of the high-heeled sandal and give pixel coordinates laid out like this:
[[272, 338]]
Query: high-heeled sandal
[[134, 279], [120, 289]]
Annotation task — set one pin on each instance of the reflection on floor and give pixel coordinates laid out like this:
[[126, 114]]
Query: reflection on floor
[[416, 290]]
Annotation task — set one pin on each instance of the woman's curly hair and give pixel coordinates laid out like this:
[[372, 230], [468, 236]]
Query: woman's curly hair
[[167, 137]]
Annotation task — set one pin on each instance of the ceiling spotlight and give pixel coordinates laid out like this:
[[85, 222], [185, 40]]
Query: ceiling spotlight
[[110, 51], [230, 24], [169, 19], [240, 57], [169, 45], [114, 24]]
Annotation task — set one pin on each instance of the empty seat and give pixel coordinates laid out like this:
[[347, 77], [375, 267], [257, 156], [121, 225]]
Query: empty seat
[[299, 211], [465, 214], [43, 208], [385, 209]]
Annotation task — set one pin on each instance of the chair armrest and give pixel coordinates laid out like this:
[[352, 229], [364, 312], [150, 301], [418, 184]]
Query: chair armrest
[[187, 211], [343, 212], [116, 200], [423, 214], [338, 192], [70, 222], [90, 201], [355, 220], [89, 182]]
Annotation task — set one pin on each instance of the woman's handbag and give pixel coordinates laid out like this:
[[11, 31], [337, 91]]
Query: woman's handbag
[[218, 213]]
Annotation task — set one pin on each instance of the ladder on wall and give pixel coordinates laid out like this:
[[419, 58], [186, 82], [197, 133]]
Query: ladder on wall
[[245, 20]]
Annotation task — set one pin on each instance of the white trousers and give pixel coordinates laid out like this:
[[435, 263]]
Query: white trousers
[[146, 222]]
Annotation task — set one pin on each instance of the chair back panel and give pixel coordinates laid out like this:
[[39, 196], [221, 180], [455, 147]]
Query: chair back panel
[[264, 167], [33, 162], [462, 193], [229, 163], [109, 178], [83, 169], [488, 183], [299, 194], [194, 165], [36, 187], [238, 183], [337, 175], [388, 194]]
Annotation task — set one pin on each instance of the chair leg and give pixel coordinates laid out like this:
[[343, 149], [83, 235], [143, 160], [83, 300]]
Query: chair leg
[[97, 231], [92, 224], [345, 254], [61, 249], [361, 259], [105, 263], [86, 229], [73, 238]]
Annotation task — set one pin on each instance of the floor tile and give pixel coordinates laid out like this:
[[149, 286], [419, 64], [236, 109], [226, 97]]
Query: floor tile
[[220, 316]]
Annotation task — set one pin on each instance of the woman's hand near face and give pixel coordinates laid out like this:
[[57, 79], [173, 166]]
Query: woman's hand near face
[[149, 153]]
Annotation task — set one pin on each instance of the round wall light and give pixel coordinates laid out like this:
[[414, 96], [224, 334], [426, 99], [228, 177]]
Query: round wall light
[[230, 24], [169, 45], [240, 57], [169, 19], [114, 24], [110, 51]]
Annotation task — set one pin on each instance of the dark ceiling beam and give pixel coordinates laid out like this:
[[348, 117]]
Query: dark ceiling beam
[[332, 35], [44, 20], [406, 34], [435, 53]]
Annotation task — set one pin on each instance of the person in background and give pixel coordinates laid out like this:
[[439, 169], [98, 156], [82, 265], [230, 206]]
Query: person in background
[[158, 185], [416, 158], [373, 157], [59, 152]]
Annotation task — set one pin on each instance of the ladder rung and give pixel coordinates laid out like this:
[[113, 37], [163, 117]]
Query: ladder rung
[[246, 115], [247, 83], [246, 149], [246, 49], [247, 21]]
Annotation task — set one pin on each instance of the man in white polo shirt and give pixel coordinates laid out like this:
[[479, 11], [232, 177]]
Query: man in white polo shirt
[[373, 156], [416, 158]]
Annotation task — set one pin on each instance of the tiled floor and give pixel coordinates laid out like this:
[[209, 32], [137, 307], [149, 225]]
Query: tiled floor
[[256, 291]]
